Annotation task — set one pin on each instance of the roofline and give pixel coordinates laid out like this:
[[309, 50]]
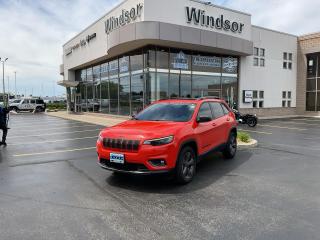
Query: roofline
[[271, 30], [112, 9], [309, 36], [208, 3]]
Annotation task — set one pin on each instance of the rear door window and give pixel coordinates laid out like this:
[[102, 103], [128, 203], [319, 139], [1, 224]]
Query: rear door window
[[217, 110]]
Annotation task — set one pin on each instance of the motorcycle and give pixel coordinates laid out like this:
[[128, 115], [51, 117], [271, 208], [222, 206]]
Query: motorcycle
[[251, 120]]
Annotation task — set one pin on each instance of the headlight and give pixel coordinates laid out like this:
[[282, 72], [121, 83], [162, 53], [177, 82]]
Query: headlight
[[159, 141], [100, 138]]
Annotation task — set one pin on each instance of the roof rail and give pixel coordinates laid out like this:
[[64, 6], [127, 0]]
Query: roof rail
[[202, 98]]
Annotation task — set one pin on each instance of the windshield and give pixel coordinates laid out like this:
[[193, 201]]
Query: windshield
[[16, 101], [167, 112]]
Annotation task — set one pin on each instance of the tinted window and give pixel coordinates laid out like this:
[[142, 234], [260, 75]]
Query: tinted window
[[205, 111], [217, 110], [39, 101], [25, 101], [225, 109], [167, 112], [32, 101]]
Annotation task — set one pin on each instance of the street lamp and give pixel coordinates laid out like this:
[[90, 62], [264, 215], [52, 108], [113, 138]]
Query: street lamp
[[15, 84], [5, 103]]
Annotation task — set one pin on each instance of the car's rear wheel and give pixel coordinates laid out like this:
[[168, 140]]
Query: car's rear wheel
[[15, 109], [39, 109], [231, 146], [186, 165]]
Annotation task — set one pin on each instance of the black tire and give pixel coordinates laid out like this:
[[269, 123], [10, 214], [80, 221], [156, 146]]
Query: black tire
[[39, 109], [186, 165], [231, 147], [15, 109], [252, 122]]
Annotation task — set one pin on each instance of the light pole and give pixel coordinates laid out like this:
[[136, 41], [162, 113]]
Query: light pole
[[8, 85], [15, 84], [3, 85]]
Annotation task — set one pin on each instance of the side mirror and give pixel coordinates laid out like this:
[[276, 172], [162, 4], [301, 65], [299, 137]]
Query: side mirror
[[203, 119]]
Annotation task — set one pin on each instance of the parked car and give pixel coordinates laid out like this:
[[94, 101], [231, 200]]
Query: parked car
[[28, 104], [169, 136]]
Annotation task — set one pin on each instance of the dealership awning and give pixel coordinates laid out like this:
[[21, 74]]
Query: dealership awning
[[66, 83]]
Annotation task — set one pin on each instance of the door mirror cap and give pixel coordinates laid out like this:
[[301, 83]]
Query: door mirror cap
[[203, 119]]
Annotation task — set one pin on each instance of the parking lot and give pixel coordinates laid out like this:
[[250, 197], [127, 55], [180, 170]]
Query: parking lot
[[52, 188]]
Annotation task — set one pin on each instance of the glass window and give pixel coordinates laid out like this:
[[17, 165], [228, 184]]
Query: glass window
[[285, 56], [311, 101], [254, 104], [262, 52], [261, 103], [159, 86], [163, 58], [137, 88], [89, 74], [124, 64], [83, 75], [289, 95], [229, 90], [289, 104], [180, 60], [256, 51], [262, 62], [256, 62], [203, 85], [285, 65], [290, 65], [205, 111], [261, 94], [33, 101], [217, 110], [318, 104], [174, 85], [124, 95], [206, 64], [105, 96], [283, 103], [185, 86], [311, 66], [151, 59], [290, 56], [230, 65], [318, 84], [255, 94], [114, 69], [284, 94], [311, 84], [96, 73], [136, 62], [168, 112]]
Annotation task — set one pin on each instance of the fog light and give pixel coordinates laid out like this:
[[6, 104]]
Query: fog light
[[158, 162]]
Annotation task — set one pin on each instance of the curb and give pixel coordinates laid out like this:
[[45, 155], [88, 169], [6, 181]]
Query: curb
[[252, 144]]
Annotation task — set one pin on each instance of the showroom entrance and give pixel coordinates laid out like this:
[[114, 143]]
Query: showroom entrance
[[125, 85]]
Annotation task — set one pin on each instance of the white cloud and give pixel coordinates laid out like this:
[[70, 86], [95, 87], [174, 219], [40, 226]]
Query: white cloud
[[32, 32]]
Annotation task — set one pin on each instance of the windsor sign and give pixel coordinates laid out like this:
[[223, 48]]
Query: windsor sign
[[199, 17], [125, 18]]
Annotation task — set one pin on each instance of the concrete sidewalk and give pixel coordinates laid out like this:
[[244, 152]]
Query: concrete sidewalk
[[94, 118]]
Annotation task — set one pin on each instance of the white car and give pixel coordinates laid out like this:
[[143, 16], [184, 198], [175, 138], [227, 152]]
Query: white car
[[28, 104]]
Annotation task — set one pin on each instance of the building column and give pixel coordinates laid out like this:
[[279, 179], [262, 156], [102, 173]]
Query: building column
[[68, 89]]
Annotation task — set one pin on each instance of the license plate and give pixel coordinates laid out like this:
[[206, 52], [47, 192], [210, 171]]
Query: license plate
[[117, 158]]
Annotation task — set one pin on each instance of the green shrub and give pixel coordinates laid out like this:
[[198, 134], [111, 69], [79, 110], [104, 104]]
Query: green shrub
[[244, 137], [58, 106]]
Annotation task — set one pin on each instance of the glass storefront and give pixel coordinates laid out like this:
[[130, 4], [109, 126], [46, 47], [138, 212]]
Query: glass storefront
[[313, 82], [127, 84]]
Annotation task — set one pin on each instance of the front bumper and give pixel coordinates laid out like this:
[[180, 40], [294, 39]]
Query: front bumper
[[135, 172], [139, 162]]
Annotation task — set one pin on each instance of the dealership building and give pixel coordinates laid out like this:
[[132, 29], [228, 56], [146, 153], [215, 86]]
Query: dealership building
[[146, 50]]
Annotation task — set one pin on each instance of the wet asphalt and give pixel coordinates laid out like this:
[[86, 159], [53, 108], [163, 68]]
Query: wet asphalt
[[52, 188]]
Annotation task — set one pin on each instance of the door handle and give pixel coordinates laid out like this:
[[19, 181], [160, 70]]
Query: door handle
[[228, 119], [214, 124]]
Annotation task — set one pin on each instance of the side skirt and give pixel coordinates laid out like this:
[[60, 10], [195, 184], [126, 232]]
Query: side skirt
[[213, 150]]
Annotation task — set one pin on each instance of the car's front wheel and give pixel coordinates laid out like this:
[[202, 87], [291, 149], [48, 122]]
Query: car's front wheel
[[186, 165], [231, 146]]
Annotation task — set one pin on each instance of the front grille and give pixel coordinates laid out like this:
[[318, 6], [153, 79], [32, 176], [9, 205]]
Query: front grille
[[121, 144], [124, 167]]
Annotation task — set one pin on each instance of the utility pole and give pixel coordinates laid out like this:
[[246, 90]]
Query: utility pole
[[8, 88]]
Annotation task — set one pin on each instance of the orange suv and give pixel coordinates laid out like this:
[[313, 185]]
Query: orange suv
[[169, 135]]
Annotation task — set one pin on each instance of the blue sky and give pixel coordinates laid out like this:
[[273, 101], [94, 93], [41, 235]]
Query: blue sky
[[32, 32]]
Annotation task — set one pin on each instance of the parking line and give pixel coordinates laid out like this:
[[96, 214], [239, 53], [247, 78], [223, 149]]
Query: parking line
[[57, 128], [52, 134], [41, 125], [266, 133], [60, 151], [290, 128], [53, 141], [308, 120]]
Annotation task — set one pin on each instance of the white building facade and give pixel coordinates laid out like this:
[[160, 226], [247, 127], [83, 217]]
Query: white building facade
[[146, 50]]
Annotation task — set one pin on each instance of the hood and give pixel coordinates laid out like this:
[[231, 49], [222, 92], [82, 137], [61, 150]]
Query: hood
[[137, 130]]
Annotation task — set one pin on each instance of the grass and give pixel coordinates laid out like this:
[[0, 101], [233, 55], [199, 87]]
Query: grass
[[244, 137], [56, 106]]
